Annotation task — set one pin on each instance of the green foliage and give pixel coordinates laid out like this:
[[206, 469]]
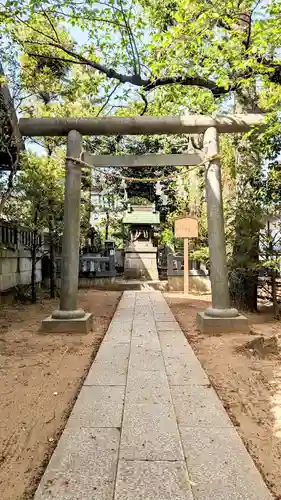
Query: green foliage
[[38, 192], [201, 51], [139, 200], [38, 204], [201, 254], [167, 237]]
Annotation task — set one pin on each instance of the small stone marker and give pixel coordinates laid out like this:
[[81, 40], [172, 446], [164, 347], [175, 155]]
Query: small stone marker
[[186, 227]]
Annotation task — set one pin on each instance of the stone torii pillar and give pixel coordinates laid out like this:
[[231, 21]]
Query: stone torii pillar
[[68, 318], [220, 318]]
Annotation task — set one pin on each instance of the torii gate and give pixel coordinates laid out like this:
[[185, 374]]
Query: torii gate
[[218, 318]]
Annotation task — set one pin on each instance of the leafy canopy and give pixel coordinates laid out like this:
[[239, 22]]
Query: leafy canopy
[[219, 47]]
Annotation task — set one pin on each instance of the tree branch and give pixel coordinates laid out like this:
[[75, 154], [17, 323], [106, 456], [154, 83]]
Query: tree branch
[[45, 35], [196, 81], [145, 103], [108, 99], [55, 58], [96, 19], [51, 24], [109, 72], [131, 40], [135, 79]]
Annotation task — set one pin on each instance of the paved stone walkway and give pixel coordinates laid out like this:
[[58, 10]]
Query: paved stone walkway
[[147, 425]]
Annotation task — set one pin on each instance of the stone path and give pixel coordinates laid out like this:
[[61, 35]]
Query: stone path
[[147, 424]]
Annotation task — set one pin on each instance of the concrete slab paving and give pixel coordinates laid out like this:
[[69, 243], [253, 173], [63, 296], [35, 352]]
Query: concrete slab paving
[[161, 309], [164, 317], [145, 357], [119, 332], [98, 406], [147, 342], [144, 329], [182, 369], [112, 352], [181, 364], [217, 461], [110, 366], [152, 481], [126, 303], [124, 316], [145, 385], [147, 424], [106, 373], [82, 467], [170, 326], [150, 432], [198, 406], [120, 335]]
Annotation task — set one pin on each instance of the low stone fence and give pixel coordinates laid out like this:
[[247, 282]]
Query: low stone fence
[[92, 266], [93, 271], [199, 279]]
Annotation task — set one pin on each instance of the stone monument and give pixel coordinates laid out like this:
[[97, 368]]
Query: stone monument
[[140, 260]]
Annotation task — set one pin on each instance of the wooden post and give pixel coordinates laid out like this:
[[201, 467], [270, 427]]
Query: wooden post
[[186, 267], [186, 227]]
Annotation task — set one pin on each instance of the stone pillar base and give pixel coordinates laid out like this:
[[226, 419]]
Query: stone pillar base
[[215, 325], [63, 325]]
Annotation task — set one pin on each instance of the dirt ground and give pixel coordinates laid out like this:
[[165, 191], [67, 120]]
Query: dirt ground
[[248, 383], [40, 377]]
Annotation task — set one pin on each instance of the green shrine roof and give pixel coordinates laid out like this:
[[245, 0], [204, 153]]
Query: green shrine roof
[[141, 218]]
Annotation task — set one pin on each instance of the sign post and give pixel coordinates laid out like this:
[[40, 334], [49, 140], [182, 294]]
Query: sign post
[[186, 227]]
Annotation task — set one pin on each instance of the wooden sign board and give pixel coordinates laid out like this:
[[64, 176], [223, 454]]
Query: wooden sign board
[[186, 227]]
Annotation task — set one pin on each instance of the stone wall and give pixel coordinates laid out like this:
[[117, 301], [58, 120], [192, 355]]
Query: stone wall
[[197, 284], [199, 279], [15, 269]]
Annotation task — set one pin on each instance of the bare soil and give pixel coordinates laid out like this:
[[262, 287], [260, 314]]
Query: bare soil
[[246, 376], [40, 379]]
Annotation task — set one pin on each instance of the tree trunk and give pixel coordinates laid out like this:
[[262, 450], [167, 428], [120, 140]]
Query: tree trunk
[[52, 268], [274, 293], [33, 266], [244, 289], [52, 260], [107, 226], [245, 258]]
